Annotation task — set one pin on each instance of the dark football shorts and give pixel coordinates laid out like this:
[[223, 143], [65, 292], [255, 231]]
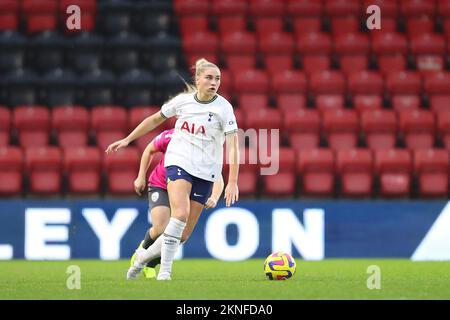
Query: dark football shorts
[[157, 197], [201, 189]]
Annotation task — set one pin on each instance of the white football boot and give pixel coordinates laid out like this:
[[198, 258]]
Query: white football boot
[[135, 270]]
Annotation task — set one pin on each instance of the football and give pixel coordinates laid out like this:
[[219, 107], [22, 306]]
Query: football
[[279, 266]]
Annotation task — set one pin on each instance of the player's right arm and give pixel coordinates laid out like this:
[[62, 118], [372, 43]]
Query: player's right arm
[[146, 159], [147, 125]]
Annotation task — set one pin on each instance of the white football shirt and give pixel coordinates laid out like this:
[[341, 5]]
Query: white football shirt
[[197, 142]]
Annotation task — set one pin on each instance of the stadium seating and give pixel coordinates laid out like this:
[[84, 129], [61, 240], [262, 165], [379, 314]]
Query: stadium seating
[[5, 125], [393, 168], [337, 91], [355, 168], [431, 167], [44, 168], [418, 128], [109, 124], [379, 128], [32, 125], [121, 170], [11, 171], [341, 128], [317, 172], [71, 126], [82, 166]]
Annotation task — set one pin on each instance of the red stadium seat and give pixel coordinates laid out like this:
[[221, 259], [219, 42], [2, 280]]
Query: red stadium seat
[[121, 169], [194, 46], [352, 50], [355, 171], [290, 102], [314, 50], [328, 88], [44, 167], [379, 128], [437, 87], [264, 119], [264, 25], [249, 102], [443, 8], [393, 168], [11, 169], [247, 183], [303, 127], [71, 125], [239, 49], [83, 169], [429, 50], [191, 7], [5, 125], [229, 8], [266, 8], [251, 81], [363, 103], [277, 49], [417, 128], [288, 81], [431, 167], [305, 24], [368, 84], [280, 184], [418, 25], [341, 128], [443, 127], [342, 8], [417, 8], [192, 24], [32, 124], [109, 123], [404, 89], [304, 8], [316, 169], [9, 15], [345, 25], [390, 49], [227, 23]]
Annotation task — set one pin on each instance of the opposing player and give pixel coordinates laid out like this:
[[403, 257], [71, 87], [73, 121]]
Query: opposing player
[[158, 199], [193, 159]]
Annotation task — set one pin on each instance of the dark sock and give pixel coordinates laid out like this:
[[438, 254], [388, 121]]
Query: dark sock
[[153, 263], [148, 241]]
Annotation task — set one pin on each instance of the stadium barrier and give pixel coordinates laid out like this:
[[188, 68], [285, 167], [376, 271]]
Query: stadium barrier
[[310, 230]]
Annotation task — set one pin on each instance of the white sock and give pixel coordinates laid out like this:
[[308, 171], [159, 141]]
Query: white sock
[[171, 241], [154, 251]]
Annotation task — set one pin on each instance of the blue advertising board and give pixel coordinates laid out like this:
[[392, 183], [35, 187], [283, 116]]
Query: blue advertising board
[[312, 230]]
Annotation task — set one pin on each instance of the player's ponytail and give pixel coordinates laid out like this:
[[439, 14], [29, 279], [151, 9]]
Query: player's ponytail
[[201, 64]]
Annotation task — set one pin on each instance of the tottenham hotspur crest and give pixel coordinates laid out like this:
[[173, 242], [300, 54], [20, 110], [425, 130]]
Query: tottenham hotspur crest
[[210, 116]]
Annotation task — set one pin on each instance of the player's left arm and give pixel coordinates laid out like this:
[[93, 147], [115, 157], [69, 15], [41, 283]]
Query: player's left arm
[[146, 159], [232, 190], [215, 194]]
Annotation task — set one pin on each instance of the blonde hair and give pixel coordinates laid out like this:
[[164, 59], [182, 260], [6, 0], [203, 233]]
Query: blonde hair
[[200, 66]]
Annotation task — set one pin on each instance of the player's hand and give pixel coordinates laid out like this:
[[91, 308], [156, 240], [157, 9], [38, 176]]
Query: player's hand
[[115, 146], [211, 203], [231, 194], [139, 185]]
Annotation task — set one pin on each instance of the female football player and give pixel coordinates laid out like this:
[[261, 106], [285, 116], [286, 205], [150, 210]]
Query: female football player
[[193, 161], [158, 199]]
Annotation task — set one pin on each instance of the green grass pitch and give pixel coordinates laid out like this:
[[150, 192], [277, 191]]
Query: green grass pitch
[[208, 279]]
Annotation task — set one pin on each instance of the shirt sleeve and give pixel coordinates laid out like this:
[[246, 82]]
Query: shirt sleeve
[[169, 109], [229, 121]]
